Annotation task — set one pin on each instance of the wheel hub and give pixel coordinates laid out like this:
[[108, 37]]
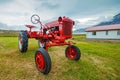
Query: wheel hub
[[40, 61], [71, 53]]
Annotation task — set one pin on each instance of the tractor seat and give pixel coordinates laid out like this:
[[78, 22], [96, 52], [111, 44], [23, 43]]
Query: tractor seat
[[30, 26]]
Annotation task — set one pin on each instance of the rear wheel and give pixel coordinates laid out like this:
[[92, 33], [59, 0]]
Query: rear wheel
[[72, 52], [43, 61], [23, 41]]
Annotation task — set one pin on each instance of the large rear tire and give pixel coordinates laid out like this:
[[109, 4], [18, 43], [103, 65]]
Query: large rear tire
[[43, 61], [22, 41], [72, 52]]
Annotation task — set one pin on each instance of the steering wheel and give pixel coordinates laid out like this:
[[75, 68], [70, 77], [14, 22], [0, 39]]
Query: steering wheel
[[35, 18]]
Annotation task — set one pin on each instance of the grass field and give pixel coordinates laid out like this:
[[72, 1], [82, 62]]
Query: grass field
[[99, 61]]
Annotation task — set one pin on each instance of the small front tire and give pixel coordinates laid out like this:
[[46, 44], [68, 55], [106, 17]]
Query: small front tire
[[72, 52], [43, 61]]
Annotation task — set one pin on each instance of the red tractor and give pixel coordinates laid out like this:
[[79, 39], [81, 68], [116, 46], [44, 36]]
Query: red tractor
[[54, 33]]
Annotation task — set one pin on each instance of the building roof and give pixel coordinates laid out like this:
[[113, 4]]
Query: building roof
[[103, 28]]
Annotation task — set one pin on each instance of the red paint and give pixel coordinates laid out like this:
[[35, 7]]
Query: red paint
[[71, 53], [40, 61], [54, 32]]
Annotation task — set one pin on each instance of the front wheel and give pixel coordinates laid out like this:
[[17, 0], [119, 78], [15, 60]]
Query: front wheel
[[43, 61], [72, 52]]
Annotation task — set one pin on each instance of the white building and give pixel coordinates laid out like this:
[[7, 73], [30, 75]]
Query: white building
[[104, 32]]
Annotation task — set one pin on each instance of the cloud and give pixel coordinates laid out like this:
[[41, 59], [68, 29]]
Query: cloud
[[86, 12], [5, 1], [90, 21], [18, 12], [49, 5]]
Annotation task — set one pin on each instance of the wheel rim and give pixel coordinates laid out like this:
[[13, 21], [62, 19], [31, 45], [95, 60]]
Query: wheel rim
[[20, 42], [40, 62], [71, 53]]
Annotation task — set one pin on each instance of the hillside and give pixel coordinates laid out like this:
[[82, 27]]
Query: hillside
[[115, 20]]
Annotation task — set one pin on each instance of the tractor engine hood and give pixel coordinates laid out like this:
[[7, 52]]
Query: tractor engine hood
[[58, 22]]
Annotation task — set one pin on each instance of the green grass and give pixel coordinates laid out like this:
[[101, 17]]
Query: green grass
[[99, 61]]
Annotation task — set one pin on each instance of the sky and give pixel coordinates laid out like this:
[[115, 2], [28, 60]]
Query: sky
[[85, 13]]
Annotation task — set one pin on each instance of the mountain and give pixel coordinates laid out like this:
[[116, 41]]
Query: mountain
[[3, 26], [114, 20], [79, 31]]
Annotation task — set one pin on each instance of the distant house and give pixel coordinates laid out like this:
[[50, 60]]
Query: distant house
[[103, 32]]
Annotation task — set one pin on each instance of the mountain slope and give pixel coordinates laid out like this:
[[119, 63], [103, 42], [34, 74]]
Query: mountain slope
[[78, 31], [115, 20]]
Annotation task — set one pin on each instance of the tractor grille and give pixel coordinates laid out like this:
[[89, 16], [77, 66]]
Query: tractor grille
[[67, 29]]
